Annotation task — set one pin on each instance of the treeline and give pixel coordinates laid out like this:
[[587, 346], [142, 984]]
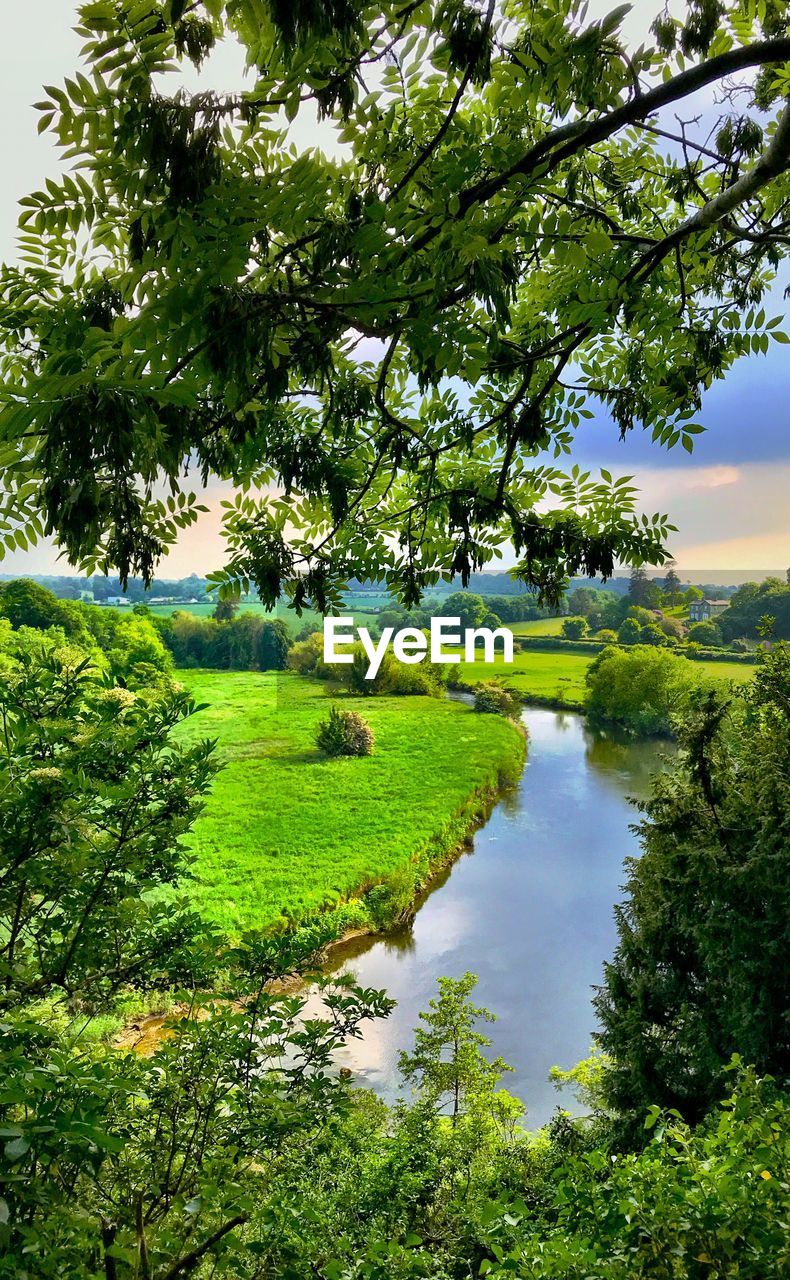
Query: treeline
[[126, 645], [134, 644], [100, 589], [758, 610], [246, 642]]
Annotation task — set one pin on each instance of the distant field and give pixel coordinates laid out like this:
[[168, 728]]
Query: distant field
[[540, 627], [286, 829], [560, 676]]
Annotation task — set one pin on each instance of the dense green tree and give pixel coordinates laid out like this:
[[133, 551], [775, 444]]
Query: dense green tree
[[706, 633], [672, 586], [272, 643], [466, 605], [26, 604], [503, 213], [750, 603], [701, 969], [653, 633], [629, 631], [643, 688], [225, 610], [447, 1065], [574, 628], [582, 601], [94, 798], [643, 592]]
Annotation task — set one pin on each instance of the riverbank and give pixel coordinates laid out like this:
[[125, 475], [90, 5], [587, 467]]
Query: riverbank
[[288, 834], [529, 911], [555, 677]]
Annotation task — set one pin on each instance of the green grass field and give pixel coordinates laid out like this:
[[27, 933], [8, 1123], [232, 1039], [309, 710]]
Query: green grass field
[[539, 627], [560, 676], [286, 829]]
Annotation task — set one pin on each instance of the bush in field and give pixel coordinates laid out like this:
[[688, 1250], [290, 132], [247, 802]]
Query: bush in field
[[641, 689], [426, 679], [344, 733], [705, 633], [740, 646], [574, 628], [606, 636], [423, 679], [307, 655], [492, 698]]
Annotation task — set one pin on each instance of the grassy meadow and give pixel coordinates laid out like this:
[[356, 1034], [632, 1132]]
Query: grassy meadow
[[559, 677], [286, 830]]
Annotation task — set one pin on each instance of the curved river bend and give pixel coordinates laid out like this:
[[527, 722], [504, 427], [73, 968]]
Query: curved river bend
[[528, 909]]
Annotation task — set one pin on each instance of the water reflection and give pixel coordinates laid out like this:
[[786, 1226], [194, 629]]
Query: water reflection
[[529, 911]]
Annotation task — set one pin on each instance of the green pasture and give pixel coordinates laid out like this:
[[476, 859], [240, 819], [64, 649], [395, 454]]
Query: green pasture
[[287, 830], [560, 676], [538, 627]]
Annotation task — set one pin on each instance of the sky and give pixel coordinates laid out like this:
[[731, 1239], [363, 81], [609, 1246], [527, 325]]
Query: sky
[[730, 500]]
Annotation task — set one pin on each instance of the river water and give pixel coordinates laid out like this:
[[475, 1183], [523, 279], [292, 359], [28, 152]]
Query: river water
[[528, 909]]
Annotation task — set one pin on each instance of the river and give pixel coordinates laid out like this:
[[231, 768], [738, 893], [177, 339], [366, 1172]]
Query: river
[[528, 909]]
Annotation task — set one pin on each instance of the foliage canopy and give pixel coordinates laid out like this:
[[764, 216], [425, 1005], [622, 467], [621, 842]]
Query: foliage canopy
[[388, 347]]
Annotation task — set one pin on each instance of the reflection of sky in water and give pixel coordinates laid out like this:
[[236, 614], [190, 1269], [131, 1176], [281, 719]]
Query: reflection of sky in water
[[530, 912]]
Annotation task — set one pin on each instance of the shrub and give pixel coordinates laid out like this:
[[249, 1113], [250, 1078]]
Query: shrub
[[642, 688], [740, 646], [606, 636], [574, 628], [705, 633], [426, 679], [652, 634], [307, 654], [344, 733], [492, 698], [672, 627], [423, 679], [630, 631]]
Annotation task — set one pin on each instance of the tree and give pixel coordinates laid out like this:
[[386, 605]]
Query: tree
[[582, 601], [93, 803], [27, 604], [672, 586], [507, 215], [706, 633], [574, 628], [643, 688], [466, 605], [225, 610], [652, 633], [447, 1064], [642, 591], [701, 968], [271, 646], [748, 605], [629, 631]]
